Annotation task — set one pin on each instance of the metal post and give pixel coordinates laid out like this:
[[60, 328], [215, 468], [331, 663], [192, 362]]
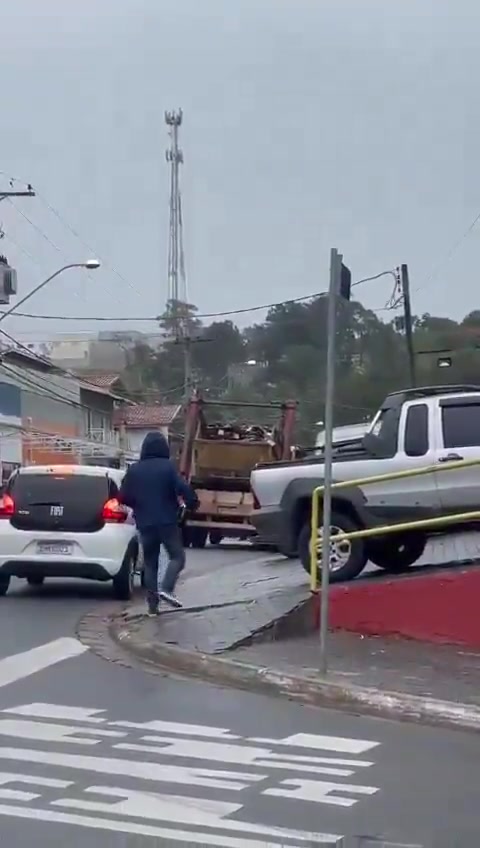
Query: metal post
[[335, 265]]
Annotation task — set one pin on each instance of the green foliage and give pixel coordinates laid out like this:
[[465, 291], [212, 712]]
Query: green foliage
[[284, 358]]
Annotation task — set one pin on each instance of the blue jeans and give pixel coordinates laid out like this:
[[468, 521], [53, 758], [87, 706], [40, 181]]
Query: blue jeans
[[170, 536]]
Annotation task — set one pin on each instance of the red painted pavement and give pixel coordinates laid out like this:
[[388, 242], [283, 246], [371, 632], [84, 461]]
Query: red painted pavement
[[441, 607]]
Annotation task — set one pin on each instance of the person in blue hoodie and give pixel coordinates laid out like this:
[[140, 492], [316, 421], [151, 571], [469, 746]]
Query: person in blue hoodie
[[152, 488]]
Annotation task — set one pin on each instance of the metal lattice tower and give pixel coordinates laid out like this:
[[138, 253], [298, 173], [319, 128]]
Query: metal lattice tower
[[177, 282]]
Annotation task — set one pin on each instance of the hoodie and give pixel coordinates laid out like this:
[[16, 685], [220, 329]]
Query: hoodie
[[152, 486]]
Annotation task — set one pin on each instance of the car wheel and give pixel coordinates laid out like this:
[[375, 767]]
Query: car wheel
[[4, 584], [36, 580], [123, 582], [397, 554], [348, 557]]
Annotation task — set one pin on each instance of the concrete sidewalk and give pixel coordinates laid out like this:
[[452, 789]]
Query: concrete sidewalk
[[237, 627]]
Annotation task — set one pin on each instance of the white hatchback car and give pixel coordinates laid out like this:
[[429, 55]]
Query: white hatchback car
[[66, 521]]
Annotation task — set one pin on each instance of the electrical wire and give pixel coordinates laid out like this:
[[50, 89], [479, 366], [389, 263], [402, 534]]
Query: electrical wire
[[451, 253], [61, 218], [159, 317], [85, 244], [202, 315], [33, 386], [84, 380]]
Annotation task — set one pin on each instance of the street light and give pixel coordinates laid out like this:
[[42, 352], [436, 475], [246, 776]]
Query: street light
[[90, 265]]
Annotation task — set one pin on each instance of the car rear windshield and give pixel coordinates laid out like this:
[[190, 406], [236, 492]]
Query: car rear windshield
[[60, 502], [69, 489]]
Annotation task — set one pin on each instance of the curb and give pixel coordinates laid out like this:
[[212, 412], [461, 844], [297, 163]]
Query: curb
[[305, 690]]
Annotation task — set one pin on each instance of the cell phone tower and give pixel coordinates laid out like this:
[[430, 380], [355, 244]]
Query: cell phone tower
[[177, 281]]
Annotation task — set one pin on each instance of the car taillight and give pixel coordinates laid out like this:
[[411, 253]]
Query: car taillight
[[256, 502], [114, 511], [7, 506]]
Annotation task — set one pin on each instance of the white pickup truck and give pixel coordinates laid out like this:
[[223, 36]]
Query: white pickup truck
[[412, 429]]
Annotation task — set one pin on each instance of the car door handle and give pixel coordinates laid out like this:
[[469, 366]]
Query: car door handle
[[451, 457]]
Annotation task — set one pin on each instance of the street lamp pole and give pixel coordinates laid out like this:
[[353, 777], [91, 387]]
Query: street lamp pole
[[90, 265]]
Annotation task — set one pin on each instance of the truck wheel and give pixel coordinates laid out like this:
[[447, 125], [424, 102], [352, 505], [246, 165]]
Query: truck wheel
[[216, 537], [4, 584], [348, 558], [397, 555], [198, 537]]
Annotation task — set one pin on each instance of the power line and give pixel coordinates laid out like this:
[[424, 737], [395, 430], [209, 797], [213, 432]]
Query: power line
[[46, 361], [61, 218], [157, 318], [451, 253]]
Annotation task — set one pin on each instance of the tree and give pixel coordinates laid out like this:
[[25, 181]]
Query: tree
[[290, 350], [218, 347]]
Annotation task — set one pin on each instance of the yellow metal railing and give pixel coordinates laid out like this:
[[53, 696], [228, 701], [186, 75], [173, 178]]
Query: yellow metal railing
[[315, 542]]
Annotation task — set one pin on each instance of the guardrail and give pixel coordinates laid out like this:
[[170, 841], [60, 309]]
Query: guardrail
[[386, 529]]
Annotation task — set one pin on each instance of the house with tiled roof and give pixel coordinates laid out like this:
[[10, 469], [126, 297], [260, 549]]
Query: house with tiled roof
[[137, 420], [112, 383]]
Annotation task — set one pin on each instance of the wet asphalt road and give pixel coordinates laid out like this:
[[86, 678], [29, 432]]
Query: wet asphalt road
[[95, 753]]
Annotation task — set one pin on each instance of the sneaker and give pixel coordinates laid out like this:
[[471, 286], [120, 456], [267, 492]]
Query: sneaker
[[170, 599], [152, 612]]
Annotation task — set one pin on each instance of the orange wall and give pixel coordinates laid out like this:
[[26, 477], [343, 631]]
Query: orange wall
[[37, 455]]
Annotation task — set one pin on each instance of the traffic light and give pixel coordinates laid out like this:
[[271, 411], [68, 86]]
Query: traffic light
[[8, 281], [345, 282]]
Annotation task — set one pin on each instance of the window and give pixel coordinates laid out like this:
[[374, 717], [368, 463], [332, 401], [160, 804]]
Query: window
[[461, 426], [416, 430]]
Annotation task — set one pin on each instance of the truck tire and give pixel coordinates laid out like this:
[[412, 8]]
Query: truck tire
[[352, 556], [397, 555], [215, 537], [197, 537]]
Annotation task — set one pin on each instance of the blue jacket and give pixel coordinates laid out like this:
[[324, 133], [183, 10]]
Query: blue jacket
[[152, 486]]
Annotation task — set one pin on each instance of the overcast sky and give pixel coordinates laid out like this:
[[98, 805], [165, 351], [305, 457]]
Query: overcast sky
[[307, 124]]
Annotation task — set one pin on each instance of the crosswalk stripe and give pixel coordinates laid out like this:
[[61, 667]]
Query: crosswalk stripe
[[340, 744], [22, 665], [57, 712], [210, 778], [186, 836], [296, 768]]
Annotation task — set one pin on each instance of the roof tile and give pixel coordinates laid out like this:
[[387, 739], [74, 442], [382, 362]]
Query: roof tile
[[102, 381], [142, 416]]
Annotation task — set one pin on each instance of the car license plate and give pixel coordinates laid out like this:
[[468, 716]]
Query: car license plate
[[55, 548]]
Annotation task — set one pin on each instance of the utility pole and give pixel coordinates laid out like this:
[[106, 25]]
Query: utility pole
[[407, 312], [187, 368], [8, 275]]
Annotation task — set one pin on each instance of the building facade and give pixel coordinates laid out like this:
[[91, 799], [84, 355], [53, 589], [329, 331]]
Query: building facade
[[137, 420], [50, 416]]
